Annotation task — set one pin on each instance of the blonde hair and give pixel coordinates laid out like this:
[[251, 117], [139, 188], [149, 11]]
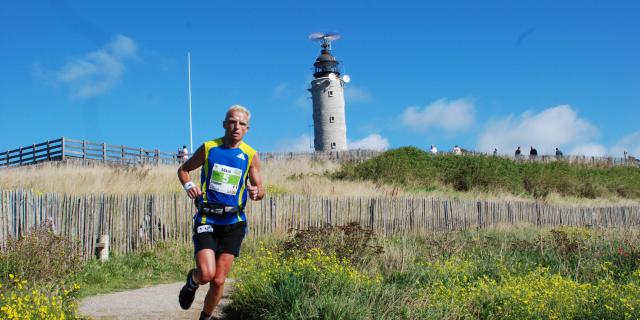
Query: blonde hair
[[237, 107]]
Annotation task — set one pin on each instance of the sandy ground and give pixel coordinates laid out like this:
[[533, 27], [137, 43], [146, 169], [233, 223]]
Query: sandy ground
[[156, 302]]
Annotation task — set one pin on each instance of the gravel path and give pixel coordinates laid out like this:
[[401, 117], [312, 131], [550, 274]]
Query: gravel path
[[156, 302]]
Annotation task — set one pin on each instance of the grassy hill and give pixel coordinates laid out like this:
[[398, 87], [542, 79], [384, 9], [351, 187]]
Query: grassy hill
[[400, 172], [412, 168]]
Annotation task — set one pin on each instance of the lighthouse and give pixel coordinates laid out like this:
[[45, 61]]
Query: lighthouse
[[327, 93]]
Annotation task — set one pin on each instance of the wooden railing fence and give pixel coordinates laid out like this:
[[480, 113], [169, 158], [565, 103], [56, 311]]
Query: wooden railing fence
[[65, 148], [135, 221], [91, 152]]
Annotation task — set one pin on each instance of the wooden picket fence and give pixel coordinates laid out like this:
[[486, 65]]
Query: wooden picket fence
[[137, 221]]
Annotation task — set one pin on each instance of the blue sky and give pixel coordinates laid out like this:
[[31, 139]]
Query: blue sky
[[480, 74]]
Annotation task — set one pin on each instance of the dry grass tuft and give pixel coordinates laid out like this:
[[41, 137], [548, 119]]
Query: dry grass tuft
[[76, 179]]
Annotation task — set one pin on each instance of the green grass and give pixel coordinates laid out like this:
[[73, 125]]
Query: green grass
[[167, 262], [415, 169]]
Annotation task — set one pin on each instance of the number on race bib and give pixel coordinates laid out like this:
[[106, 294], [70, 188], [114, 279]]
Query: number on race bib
[[225, 179]]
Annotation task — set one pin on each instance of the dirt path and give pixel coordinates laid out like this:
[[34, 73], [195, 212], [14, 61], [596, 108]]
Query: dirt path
[[156, 302]]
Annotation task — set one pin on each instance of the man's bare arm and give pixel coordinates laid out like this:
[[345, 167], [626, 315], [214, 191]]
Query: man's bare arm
[[255, 188], [196, 161]]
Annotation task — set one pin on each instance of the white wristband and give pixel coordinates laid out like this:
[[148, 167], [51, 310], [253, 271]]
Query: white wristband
[[189, 185]]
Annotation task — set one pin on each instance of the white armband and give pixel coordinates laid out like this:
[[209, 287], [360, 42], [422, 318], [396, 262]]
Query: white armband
[[189, 185]]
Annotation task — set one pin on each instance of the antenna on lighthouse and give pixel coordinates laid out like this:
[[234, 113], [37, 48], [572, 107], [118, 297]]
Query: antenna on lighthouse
[[325, 38]]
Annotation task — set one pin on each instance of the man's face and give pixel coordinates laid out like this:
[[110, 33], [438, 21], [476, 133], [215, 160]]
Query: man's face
[[236, 125]]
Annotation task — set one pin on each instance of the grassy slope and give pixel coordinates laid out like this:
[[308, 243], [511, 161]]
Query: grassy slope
[[400, 172], [413, 168]]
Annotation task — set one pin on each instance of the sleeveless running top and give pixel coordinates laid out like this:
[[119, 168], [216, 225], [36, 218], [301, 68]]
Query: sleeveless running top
[[223, 180]]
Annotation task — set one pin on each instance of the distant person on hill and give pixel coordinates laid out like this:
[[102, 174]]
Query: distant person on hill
[[495, 152], [518, 152], [558, 153], [457, 150], [533, 152], [185, 153], [230, 176], [179, 156], [433, 150]]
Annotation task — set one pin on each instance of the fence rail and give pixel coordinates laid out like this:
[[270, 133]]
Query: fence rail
[[65, 148], [91, 152], [135, 221]]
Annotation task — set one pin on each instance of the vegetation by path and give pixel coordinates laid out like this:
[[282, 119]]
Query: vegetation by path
[[515, 273]]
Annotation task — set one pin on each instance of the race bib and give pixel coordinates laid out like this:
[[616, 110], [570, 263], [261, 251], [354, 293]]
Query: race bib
[[225, 179], [204, 228]]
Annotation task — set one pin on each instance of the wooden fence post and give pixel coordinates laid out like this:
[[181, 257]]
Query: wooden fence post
[[20, 155], [33, 153], [104, 152], [48, 150], [84, 150], [103, 247]]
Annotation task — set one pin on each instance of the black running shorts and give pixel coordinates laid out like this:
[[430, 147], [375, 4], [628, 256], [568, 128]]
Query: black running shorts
[[219, 238]]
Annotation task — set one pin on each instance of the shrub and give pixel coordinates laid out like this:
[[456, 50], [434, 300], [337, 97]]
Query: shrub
[[314, 284], [41, 256], [351, 242]]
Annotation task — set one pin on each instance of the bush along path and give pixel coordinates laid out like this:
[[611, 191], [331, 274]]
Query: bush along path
[[155, 302]]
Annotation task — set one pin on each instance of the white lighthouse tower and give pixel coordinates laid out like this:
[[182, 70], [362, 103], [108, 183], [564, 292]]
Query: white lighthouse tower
[[327, 92]]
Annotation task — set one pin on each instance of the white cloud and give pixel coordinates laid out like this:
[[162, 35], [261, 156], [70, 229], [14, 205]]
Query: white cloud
[[629, 143], [280, 90], [588, 149], [454, 115], [303, 143], [371, 142], [554, 127], [98, 71], [354, 94]]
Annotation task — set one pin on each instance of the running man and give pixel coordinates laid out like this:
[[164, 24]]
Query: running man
[[230, 174]]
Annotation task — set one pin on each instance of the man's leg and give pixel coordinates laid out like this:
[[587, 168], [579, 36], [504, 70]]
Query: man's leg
[[206, 263], [222, 267], [205, 272]]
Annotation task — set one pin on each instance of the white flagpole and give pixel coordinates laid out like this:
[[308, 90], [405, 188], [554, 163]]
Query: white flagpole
[[190, 124]]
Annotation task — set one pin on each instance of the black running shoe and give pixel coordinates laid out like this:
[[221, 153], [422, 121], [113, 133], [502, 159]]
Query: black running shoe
[[187, 294]]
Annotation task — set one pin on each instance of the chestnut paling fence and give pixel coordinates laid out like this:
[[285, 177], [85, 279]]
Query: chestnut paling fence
[[138, 220]]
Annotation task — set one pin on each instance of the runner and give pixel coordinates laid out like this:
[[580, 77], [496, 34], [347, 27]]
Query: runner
[[230, 174]]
